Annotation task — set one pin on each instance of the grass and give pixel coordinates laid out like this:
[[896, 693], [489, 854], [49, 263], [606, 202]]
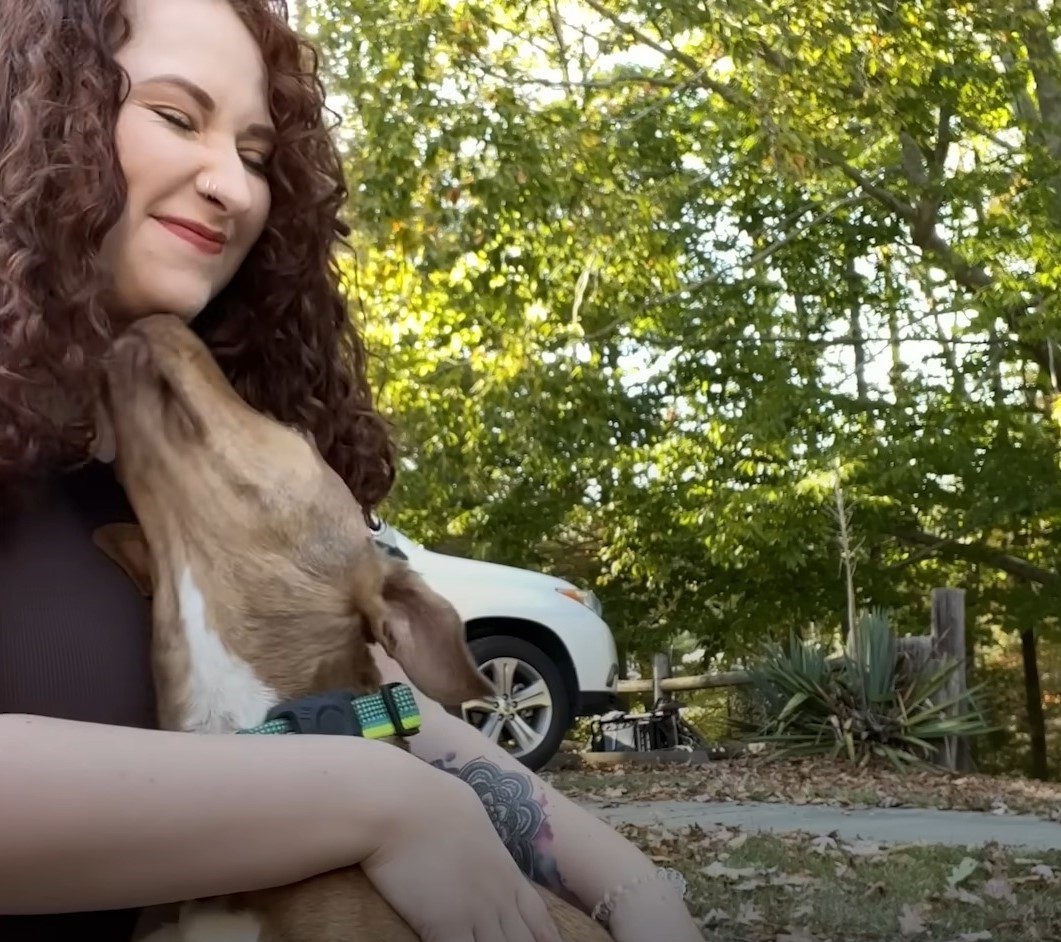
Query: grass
[[798, 888], [747, 887]]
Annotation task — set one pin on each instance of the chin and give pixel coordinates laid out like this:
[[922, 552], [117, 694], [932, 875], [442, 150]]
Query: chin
[[186, 304]]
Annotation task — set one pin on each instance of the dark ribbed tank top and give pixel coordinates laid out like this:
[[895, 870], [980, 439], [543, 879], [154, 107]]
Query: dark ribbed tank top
[[74, 643]]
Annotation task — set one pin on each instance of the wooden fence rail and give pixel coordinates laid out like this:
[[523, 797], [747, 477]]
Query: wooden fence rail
[[692, 682]]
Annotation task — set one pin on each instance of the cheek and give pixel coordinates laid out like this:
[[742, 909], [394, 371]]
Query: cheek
[[154, 162], [253, 224], [263, 205], [140, 151], [126, 140]]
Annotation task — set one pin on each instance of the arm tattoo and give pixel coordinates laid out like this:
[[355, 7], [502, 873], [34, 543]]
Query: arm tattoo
[[520, 820]]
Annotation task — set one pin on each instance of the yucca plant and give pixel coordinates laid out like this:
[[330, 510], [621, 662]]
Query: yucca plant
[[860, 705]]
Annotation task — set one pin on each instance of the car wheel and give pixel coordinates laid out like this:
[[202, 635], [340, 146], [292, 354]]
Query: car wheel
[[531, 712]]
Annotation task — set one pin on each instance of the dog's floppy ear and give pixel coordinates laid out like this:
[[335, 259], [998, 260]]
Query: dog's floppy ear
[[125, 544], [425, 635]]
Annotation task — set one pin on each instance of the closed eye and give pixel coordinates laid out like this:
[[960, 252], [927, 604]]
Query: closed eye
[[255, 162], [176, 118]]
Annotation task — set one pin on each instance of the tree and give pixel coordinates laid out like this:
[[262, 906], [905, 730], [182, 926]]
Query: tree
[[644, 278]]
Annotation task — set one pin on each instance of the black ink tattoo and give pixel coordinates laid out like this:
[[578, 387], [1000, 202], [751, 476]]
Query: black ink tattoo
[[520, 820]]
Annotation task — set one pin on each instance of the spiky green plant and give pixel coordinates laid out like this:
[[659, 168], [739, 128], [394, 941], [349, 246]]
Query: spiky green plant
[[860, 705]]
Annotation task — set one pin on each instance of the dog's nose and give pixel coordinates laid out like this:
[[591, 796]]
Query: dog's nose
[[132, 352]]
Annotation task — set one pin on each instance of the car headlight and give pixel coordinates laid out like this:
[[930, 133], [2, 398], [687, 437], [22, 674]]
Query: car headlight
[[584, 596]]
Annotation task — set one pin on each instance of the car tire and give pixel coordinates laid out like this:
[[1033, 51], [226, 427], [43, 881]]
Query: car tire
[[529, 672]]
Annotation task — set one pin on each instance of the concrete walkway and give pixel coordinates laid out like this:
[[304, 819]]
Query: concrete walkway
[[892, 825]]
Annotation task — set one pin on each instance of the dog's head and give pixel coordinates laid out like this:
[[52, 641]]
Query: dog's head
[[247, 512]]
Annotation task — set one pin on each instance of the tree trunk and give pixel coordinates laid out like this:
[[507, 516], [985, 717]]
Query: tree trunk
[[1033, 693], [858, 340]]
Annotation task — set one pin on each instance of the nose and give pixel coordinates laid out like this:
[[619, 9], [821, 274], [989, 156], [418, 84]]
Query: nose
[[145, 377], [130, 365], [224, 180], [132, 350], [137, 350]]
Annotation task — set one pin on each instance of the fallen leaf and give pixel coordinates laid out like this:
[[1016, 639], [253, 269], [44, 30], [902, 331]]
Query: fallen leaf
[[749, 913], [747, 886], [715, 917], [737, 842], [823, 844], [864, 849], [962, 896], [718, 869], [910, 921], [793, 880], [1044, 872], [965, 869], [999, 888]]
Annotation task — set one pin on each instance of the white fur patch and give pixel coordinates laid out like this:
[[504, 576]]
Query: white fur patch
[[223, 693], [203, 923]]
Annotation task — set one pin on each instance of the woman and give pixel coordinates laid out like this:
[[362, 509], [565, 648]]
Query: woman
[[169, 155]]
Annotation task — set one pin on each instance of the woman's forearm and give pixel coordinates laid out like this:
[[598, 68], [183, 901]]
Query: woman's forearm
[[557, 843], [100, 817]]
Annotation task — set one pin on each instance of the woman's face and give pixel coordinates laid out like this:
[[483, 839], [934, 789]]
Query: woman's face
[[193, 137]]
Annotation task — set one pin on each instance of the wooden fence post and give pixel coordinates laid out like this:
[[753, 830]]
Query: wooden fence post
[[661, 670], [948, 641]]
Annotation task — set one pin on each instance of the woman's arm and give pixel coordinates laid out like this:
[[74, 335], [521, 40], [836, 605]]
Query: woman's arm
[[557, 843], [101, 817]]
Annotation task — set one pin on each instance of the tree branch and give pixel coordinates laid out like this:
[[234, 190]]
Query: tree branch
[[921, 221], [978, 553], [725, 92], [1043, 63], [759, 256]]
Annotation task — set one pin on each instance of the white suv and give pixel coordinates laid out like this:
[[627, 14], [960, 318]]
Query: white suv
[[539, 639]]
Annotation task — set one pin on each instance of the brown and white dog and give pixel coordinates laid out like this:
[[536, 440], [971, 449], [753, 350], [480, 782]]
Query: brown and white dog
[[266, 587]]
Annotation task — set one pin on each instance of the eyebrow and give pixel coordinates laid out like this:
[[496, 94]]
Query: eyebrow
[[207, 103]]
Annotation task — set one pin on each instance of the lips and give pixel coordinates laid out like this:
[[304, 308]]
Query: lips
[[206, 240]]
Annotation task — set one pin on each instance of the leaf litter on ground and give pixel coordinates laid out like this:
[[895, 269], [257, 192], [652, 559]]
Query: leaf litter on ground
[[816, 781], [751, 887]]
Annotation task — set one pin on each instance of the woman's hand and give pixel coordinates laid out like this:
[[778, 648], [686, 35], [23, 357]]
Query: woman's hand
[[449, 876], [650, 911]]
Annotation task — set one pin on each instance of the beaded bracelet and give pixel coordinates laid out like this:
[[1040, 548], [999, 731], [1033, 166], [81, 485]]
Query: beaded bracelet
[[603, 910]]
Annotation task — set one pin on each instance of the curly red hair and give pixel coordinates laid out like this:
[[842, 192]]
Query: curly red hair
[[281, 330]]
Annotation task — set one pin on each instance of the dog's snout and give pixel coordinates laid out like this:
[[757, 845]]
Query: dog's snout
[[143, 380], [131, 358]]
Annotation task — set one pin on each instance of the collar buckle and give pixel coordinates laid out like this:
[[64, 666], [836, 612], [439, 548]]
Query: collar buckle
[[392, 711], [328, 714]]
